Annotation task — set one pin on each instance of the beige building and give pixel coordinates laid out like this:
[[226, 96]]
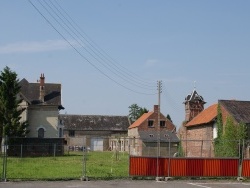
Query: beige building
[[42, 103]]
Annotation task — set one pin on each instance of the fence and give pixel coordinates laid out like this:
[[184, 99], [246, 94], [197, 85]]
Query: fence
[[121, 158]]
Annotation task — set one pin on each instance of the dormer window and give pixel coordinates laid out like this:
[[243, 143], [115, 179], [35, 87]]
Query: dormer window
[[150, 123]]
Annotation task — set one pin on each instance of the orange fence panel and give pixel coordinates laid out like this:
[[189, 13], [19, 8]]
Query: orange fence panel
[[178, 167], [187, 167], [212, 167], [245, 168], [229, 167]]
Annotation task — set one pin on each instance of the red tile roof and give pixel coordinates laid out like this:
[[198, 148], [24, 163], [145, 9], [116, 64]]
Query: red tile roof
[[206, 116], [140, 120]]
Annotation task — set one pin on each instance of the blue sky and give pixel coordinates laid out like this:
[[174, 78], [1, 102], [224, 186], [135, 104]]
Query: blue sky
[[113, 52]]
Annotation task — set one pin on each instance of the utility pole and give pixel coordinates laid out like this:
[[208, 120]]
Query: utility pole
[[159, 87]]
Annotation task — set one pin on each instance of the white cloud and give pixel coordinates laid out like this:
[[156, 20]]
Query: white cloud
[[34, 46], [151, 62]]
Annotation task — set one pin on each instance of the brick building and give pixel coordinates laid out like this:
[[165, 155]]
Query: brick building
[[146, 131], [198, 134]]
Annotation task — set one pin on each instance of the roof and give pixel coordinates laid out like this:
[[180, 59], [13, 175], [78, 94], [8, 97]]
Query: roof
[[140, 120], [206, 116], [152, 136], [94, 122], [194, 96], [31, 92], [240, 110]]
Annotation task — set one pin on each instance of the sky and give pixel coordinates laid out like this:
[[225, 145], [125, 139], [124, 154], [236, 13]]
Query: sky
[[111, 54]]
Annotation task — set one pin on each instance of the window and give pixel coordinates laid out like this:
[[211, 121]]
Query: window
[[150, 123], [162, 124], [151, 135], [60, 132], [71, 133], [40, 133]]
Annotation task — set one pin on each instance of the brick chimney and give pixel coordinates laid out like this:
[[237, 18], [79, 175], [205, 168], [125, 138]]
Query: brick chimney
[[42, 87], [156, 108]]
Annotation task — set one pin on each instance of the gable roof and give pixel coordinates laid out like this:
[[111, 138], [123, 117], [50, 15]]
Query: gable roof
[[141, 119], [206, 116], [152, 136], [31, 93], [239, 110], [94, 122]]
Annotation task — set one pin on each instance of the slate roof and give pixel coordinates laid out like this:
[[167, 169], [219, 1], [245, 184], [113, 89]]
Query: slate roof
[[240, 110], [94, 122], [206, 116], [152, 136], [31, 92], [194, 96]]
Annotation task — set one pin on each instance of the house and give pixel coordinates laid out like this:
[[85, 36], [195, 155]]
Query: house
[[96, 132], [147, 135], [42, 103], [198, 134]]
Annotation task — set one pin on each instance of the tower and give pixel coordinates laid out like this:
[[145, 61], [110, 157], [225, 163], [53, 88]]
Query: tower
[[194, 104]]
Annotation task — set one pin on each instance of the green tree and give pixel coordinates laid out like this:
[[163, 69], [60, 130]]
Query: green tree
[[169, 118], [135, 112], [218, 146], [227, 142], [10, 111]]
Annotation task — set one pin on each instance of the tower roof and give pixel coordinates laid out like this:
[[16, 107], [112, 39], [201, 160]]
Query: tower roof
[[193, 97]]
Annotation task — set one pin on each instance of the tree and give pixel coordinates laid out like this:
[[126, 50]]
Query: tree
[[135, 112], [227, 141], [169, 118], [10, 110]]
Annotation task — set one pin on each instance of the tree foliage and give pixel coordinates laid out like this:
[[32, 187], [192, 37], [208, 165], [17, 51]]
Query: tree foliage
[[135, 112], [10, 110], [228, 141], [169, 118]]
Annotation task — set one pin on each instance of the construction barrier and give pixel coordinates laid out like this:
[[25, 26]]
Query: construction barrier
[[185, 167]]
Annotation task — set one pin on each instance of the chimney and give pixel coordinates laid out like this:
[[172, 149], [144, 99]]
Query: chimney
[[42, 88], [156, 108]]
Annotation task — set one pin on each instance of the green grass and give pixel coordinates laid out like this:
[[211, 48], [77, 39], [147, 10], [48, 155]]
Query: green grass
[[99, 165]]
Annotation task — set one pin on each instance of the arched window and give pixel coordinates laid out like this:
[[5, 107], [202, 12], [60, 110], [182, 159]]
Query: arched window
[[40, 133]]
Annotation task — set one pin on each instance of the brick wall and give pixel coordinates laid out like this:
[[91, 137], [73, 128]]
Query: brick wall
[[197, 141]]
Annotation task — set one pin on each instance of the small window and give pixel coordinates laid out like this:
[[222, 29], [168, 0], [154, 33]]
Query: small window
[[151, 135], [150, 123], [40, 133], [60, 132], [162, 123], [72, 133]]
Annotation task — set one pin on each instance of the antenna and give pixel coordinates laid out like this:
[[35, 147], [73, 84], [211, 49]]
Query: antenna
[[194, 85]]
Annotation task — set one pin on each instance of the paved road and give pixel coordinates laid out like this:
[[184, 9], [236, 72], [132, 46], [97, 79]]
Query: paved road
[[125, 184]]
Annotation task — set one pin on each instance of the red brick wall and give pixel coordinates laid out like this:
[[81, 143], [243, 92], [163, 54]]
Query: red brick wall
[[197, 141]]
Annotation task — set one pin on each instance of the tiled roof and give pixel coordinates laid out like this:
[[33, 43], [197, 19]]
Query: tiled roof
[[140, 120], [94, 122], [206, 116], [152, 136], [240, 110], [31, 92]]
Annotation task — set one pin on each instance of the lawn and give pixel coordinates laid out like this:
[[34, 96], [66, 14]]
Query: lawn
[[98, 165]]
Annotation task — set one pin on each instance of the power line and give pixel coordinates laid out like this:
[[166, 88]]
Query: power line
[[86, 59], [97, 48], [95, 55]]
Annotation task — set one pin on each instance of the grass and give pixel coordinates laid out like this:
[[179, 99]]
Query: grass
[[99, 165]]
